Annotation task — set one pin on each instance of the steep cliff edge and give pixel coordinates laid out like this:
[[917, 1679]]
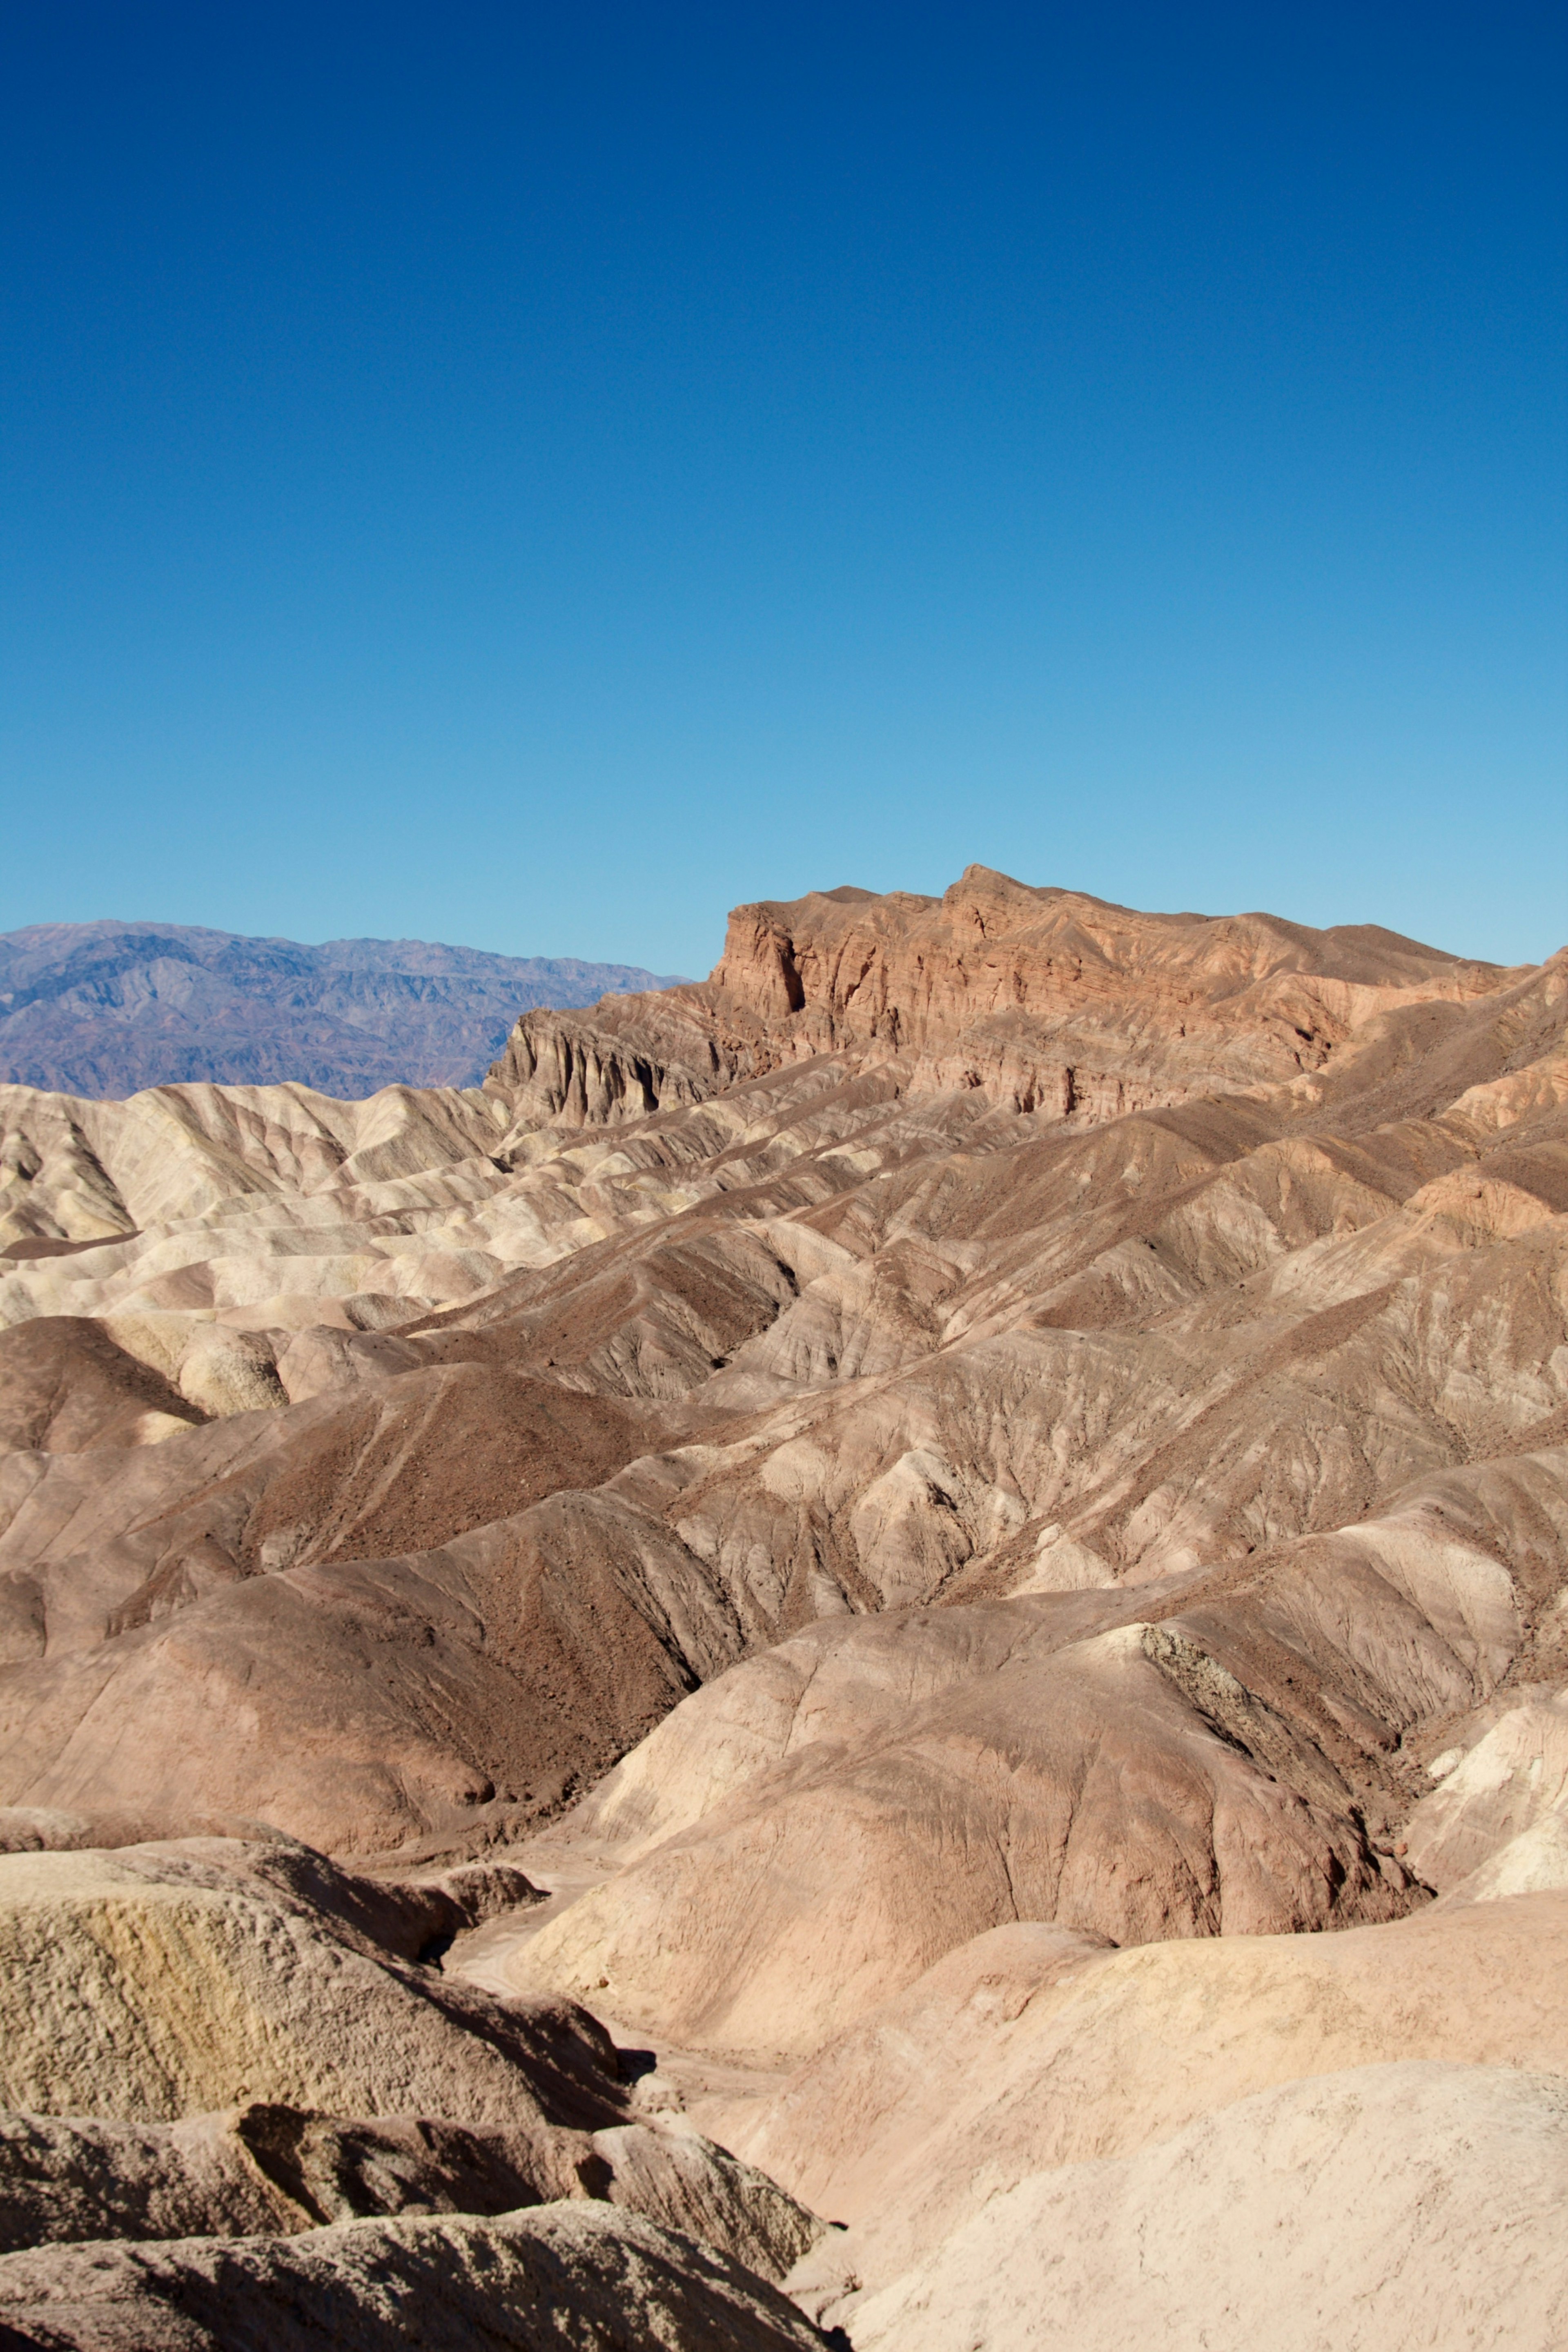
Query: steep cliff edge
[[1041, 1000]]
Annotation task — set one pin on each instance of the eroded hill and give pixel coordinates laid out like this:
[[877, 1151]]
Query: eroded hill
[[1001, 1412]]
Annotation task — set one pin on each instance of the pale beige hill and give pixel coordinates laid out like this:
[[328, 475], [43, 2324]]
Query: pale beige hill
[[1029, 2050], [1512, 1781], [1390, 2208], [580, 2274]]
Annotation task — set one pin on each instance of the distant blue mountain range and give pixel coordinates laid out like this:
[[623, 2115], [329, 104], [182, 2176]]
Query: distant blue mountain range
[[104, 1009]]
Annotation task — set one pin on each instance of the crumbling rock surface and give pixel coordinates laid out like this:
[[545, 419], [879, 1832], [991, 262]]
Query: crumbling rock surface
[[211, 2038], [579, 2274], [158, 1982]]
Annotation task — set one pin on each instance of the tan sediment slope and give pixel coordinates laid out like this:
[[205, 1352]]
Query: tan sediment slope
[[1031, 2048], [1033, 2075], [1381, 2210]]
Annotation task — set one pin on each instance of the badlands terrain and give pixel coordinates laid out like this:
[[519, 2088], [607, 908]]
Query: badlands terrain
[[106, 1008], [877, 1651]]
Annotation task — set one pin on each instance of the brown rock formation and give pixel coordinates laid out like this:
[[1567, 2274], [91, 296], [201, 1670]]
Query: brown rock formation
[[1043, 1000], [619, 2284]]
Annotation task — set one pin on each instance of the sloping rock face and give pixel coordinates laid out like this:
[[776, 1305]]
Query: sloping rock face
[[609, 2283], [215, 2037], [106, 1008]]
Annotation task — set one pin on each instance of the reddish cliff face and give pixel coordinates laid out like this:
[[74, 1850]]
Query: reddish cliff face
[[1042, 1000]]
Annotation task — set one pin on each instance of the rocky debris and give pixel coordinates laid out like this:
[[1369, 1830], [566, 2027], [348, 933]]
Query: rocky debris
[[67, 2177], [582, 2273]]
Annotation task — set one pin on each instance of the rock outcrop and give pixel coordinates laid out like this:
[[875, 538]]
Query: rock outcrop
[[214, 2038], [608, 2281], [1041, 1000]]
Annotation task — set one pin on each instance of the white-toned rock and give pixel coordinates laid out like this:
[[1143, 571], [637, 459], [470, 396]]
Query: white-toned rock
[[1512, 1781]]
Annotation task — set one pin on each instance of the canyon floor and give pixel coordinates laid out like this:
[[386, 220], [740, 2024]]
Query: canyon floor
[[875, 1652]]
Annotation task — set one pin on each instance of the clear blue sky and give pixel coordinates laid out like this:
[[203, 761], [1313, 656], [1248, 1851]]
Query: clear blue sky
[[534, 476]]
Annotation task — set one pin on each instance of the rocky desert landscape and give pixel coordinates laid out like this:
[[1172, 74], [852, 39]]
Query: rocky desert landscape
[[874, 1654]]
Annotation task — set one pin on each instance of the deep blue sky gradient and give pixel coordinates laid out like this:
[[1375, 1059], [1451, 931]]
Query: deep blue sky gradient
[[534, 478]]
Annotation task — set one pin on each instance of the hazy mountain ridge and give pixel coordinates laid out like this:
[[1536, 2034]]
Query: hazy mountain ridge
[[104, 1009]]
